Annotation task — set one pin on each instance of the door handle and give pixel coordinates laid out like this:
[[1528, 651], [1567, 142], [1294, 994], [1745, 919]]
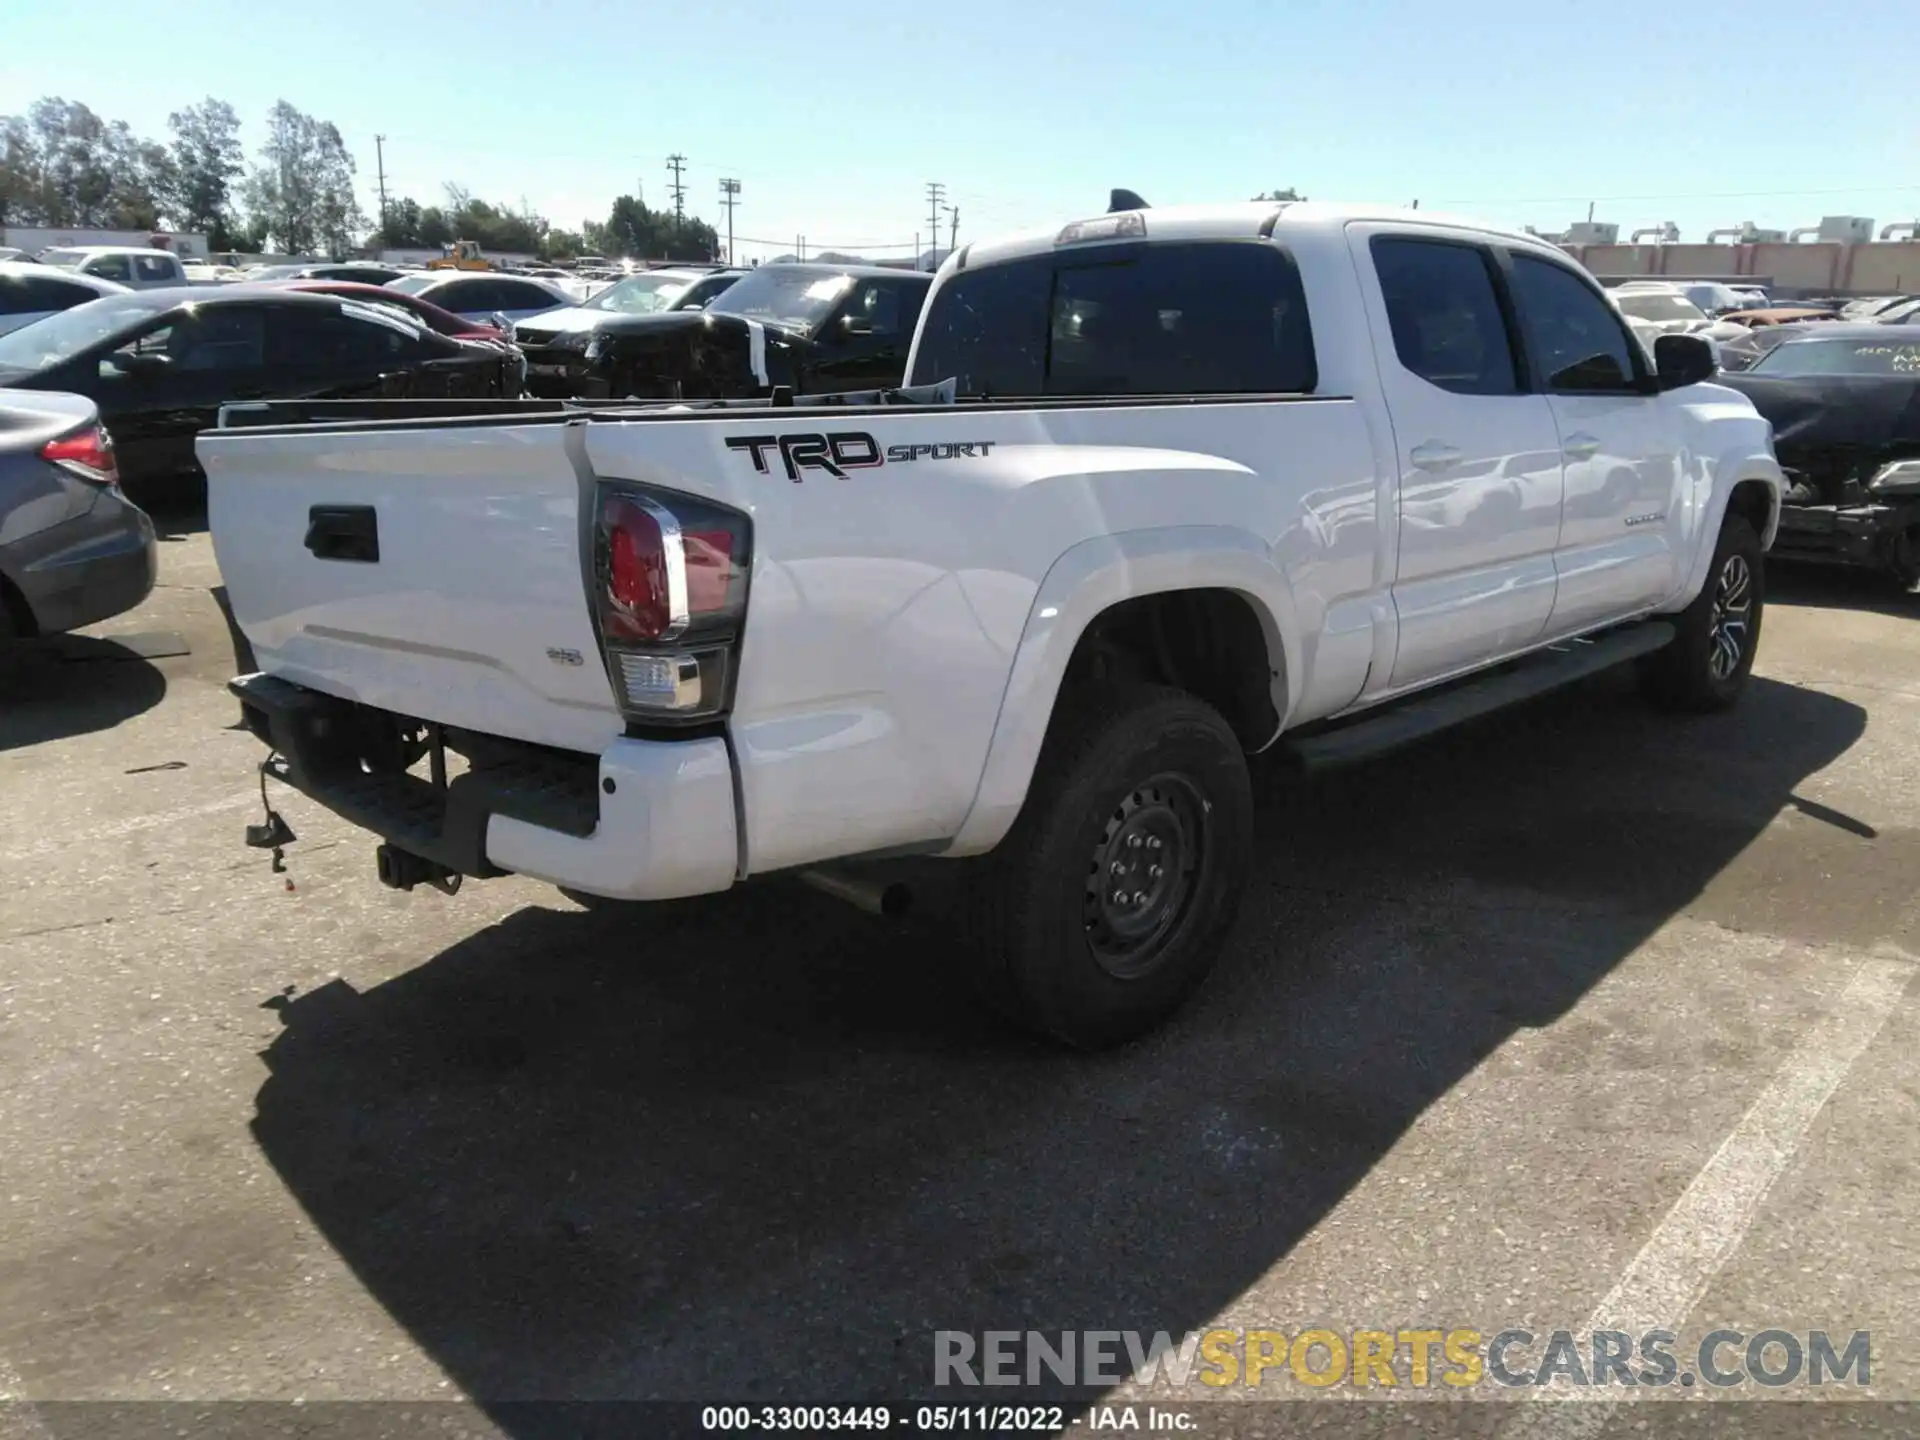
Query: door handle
[[1581, 447], [344, 532], [1434, 456]]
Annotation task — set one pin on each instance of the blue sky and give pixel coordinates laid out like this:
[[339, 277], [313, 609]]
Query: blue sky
[[835, 117]]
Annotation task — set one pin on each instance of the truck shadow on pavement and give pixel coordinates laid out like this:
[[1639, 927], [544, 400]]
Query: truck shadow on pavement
[[63, 685], [763, 1156]]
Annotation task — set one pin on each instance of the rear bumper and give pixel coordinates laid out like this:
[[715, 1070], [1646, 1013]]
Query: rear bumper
[[90, 568], [644, 820]]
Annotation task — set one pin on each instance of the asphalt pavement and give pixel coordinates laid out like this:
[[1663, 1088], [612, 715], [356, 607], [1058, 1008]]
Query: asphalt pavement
[[1584, 1017]]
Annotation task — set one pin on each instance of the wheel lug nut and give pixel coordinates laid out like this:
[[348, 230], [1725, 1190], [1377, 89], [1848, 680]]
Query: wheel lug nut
[[1153, 872], [1139, 897], [1119, 897], [1133, 842], [1116, 869], [1153, 842]]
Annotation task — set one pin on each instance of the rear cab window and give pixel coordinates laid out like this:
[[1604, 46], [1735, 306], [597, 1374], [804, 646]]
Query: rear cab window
[[109, 267], [155, 267], [1213, 317]]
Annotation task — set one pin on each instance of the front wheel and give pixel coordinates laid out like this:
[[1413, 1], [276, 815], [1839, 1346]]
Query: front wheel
[[1113, 894], [1716, 637]]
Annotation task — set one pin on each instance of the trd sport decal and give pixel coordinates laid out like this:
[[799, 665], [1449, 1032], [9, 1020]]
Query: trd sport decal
[[845, 450]]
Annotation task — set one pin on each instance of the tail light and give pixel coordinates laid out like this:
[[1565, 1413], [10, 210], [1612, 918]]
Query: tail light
[[670, 581], [87, 453]]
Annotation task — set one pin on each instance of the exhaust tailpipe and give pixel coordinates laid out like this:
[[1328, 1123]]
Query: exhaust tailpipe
[[888, 898]]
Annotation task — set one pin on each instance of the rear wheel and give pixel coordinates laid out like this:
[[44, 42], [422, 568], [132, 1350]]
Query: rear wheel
[[1716, 637], [1113, 894]]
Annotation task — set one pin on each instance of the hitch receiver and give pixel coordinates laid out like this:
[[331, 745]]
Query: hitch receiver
[[403, 870]]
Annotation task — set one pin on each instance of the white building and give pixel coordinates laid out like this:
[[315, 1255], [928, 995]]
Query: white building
[[35, 238]]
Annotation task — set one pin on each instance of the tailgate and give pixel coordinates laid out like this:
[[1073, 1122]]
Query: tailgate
[[436, 571]]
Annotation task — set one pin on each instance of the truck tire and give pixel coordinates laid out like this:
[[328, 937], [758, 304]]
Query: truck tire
[[1716, 637], [1112, 895]]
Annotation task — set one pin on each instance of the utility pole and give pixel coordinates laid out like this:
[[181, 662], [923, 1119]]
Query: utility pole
[[936, 198], [729, 197], [953, 232], [677, 163], [380, 162]]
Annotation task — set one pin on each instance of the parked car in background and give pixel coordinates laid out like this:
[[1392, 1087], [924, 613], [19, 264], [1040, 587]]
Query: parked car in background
[[159, 364], [30, 292], [9, 252], [1844, 402], [205, 272], [443, 322], [1870, 307], [1907, 312], [811, 328], [359, 273], [133, 266], [1664, 311], [653, 292], [480, 295], [73, 549]]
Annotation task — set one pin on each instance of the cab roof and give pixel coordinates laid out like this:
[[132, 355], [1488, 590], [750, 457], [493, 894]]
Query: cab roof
[[1245, 220]]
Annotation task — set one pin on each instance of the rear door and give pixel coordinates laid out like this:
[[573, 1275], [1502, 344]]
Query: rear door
[[1620, 443], [1479, 456]]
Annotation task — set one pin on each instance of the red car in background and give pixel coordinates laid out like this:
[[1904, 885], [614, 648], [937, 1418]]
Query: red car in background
[[444, 322]]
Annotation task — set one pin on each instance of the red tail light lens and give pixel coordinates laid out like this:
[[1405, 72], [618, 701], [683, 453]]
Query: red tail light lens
[[88, 454], [672, 577]]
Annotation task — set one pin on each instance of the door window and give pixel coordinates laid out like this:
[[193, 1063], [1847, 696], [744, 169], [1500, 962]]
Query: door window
[[153, 269], [318, 338], [1448, 327], [512, 295], [221, 337], [110, 267], [1578, 340]]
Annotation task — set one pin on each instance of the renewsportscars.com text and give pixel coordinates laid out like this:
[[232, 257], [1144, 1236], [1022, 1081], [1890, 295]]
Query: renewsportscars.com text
[[1410, 1358]]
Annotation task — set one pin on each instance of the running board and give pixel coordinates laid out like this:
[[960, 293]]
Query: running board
[[1420, 716]]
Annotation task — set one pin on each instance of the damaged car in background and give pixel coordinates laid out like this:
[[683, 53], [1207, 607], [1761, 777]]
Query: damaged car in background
[[809, 328], [1844, 402]]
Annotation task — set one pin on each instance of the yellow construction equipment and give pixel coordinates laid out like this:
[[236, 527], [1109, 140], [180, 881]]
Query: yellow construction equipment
[[462, 255]]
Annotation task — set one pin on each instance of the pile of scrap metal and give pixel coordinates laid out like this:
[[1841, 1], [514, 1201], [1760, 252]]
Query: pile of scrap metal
[[1844, 402]]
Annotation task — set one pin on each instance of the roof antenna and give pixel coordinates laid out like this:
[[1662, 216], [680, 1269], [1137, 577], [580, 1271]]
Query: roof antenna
[[1125, 200]]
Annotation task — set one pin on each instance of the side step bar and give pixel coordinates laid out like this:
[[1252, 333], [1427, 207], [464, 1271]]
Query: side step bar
[[1420, 716]]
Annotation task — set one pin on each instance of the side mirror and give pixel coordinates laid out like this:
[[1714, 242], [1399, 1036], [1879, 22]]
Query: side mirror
[[500, 322], [1681, 360]]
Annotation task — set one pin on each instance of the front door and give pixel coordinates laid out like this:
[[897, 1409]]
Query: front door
[[1479, 457], [1620, 440], [864, 346]]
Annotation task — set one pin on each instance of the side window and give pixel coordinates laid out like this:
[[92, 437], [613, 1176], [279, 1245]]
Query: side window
[[308, 337], [1580, 342], [155, 268], [1180, 319], [57, 294], [1445, 314], [884, 308], [986, 330], [223, 337], [515, 296], [111, 267]]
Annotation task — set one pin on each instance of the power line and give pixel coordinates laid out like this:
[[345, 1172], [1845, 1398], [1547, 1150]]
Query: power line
[[936, 193], [380, 160], [729, 197], [676, 163]]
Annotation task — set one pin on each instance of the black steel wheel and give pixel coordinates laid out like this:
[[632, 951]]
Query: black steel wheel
[[1114, 892]]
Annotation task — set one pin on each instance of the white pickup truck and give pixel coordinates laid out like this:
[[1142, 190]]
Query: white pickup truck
[[1214, 480]]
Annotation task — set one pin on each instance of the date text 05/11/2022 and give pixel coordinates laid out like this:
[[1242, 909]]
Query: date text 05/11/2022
[[943, 1419]]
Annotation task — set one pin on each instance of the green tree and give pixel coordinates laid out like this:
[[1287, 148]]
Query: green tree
[[301, 193], [206, 159], [1287, 194]]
